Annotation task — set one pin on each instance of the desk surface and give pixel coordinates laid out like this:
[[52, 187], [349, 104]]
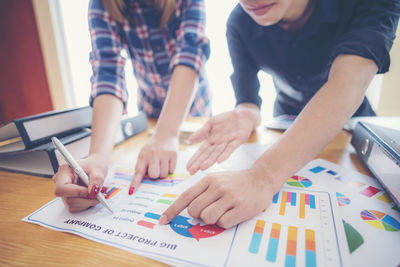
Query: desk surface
[[23, 243]]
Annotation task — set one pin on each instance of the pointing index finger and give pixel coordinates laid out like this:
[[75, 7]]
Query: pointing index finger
[[183, 201]]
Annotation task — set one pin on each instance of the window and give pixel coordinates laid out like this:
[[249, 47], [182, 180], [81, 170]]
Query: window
[[73, 16]]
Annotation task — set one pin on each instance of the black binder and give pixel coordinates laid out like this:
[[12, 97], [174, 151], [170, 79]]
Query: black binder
[[379, 149]]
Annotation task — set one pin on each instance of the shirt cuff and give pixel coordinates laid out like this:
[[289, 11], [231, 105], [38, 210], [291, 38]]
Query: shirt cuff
[[107, 89], [369, 45]]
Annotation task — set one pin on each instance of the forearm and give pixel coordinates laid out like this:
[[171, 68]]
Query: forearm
[[181, 90], [107, 112], [321, 120]]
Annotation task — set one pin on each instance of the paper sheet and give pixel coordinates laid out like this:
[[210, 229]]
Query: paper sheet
[[306, 225]]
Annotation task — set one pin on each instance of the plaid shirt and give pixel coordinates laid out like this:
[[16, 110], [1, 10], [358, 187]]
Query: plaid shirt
[[154, 52]]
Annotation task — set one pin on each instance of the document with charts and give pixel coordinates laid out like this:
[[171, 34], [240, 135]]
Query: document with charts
[[303, 226]]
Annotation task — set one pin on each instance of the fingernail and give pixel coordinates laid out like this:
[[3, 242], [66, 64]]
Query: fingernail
[[163, 219], [103, 190], [93, 193], [131, 189]]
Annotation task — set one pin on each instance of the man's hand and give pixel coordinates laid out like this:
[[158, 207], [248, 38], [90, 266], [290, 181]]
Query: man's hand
[[223, 134], [225, 198]]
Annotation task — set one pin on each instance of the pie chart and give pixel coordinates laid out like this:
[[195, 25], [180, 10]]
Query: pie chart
[[380, 220], [298, 181], [342, 199]]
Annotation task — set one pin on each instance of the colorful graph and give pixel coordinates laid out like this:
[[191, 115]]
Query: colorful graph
[[317, 169], [257, 236], [180, 225], [331, 172], [123, 173], [380, 220], [273, 242], [109, 192], [171, 180], [298, 181], [354, 238], [291, 247], [291, 197], [288, 245], [342, 199], [384, 198], [370, 191], [311, 253]]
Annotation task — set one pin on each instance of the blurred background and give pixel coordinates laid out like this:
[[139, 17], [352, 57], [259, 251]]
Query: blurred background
[[44, 61]]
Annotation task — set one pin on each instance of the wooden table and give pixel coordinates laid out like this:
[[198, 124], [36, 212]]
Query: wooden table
[[23, 243]]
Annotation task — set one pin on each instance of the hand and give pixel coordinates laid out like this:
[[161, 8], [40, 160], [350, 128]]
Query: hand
[[225, 198], [157, 158], [74, 193], [223, 134]]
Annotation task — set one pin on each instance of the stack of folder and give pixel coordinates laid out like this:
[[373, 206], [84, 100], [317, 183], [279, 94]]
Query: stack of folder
[[25, 144]]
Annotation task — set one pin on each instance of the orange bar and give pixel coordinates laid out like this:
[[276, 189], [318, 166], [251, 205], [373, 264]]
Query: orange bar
[[275, 231], [310, 245], [291, 241], [283, 204], [291, 248], [310, 240], [169, 195], [302, 206], [259, 228]]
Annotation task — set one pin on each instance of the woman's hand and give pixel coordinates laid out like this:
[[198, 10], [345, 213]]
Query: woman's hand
[[157, 159], [225, 198], [74, 193], [223, 134]]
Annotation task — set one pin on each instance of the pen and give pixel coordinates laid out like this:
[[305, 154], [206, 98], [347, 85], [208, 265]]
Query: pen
[[77, 169]]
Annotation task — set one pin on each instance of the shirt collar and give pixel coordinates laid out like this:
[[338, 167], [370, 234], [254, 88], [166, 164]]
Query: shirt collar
[[325, 12]]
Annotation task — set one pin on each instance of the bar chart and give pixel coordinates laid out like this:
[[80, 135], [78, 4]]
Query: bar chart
[[298, 229], [295, 241], [299, 201]]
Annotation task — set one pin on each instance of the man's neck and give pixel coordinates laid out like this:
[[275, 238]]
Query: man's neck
[[299, 14]]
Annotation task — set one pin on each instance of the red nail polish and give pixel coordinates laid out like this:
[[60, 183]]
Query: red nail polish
[[131, 189], [93, 193]]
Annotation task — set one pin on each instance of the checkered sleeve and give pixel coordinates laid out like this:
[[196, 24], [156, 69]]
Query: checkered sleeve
[[193, 47], [105, 58]]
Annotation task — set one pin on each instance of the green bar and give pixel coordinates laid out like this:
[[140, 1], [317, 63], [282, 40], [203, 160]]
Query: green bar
[[165, 201]]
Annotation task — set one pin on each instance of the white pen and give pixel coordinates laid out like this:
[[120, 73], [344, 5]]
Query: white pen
[[77, 169]]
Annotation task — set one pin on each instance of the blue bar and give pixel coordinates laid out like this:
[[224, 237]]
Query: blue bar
[[152, 215], [255, 243], [311, 260], [331, 172], [293, 203], [312, 201], [290, 261], [275, 198], [317, 169], [272, 249]]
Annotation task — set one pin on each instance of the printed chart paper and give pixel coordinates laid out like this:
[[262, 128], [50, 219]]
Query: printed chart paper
[[323, 216]]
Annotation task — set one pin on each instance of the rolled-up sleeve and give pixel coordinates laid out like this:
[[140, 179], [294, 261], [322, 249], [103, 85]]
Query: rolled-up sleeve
[[105, 58], [192, 48], [244, 78], [371, 32]]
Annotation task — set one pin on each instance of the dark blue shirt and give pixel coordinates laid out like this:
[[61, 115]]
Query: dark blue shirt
[[300, 64]]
